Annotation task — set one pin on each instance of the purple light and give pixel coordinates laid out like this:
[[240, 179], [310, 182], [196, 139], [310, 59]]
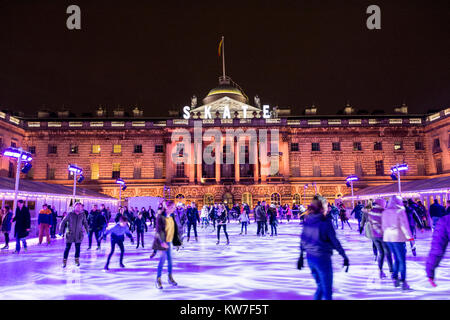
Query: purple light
[[75, 169], [352, 178], [17, 153], [120, 181], [399, 167]]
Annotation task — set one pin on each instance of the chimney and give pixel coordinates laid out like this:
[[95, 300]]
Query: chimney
[[101, 112], [311, 111], [137, 112], [403, 109], [118, 112]]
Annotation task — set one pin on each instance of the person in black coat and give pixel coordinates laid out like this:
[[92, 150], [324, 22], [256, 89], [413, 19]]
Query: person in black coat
[[54, 222], [318, 239], [6, 225], [141, 226], [22, 219], [222, 218], [192, 218], [96, 222]]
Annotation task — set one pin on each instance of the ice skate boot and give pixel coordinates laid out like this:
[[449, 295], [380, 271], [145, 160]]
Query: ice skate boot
[[405, 286], [172, 281], [77, 262], [64, 263], [159, 283]]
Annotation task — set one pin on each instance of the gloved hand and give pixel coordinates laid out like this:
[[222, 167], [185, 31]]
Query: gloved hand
[[346, 263]]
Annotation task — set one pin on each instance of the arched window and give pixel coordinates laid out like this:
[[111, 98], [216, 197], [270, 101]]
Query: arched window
[[275, 199], [228, 200], [297, 199], [180, 198], [247, 198], [208, 199]]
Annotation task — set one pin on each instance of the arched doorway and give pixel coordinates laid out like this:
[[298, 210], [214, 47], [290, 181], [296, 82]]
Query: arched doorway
[[247, 198], [275, 199], [296, 199], [228, 200], [180, 198], [208, 199]]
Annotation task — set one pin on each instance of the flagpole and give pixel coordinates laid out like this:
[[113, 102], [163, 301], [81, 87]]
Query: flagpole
[[223, 57]]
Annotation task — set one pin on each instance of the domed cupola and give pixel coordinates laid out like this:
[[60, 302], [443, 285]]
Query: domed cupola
[[225, 89]]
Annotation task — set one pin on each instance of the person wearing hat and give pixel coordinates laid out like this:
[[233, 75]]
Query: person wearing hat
[[374, 231], [396, 232], [272, 212]]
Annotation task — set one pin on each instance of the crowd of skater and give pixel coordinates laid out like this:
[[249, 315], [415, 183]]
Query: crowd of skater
[[389, 225]]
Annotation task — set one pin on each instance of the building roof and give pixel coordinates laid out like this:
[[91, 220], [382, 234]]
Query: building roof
[[48, 188], [423, 186]]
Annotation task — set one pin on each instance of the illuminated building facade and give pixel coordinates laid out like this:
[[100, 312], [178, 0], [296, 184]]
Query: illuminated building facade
[[315, 152]]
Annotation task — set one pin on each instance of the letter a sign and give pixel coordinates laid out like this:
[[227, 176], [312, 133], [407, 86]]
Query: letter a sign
[[74, 20]]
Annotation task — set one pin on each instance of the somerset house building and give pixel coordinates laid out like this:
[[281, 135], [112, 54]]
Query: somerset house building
[[315, 152]]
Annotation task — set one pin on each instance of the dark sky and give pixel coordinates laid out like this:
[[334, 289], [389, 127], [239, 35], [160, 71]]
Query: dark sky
[[157, 54]]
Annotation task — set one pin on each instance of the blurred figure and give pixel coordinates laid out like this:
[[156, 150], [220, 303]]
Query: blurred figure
[[6, 225], [439, 245], [192, 219], [318, 239], [272, 212], [22, 218], [260, 217], [396, 232], [141, 227], [222, 223], [118, 233], [343, 216], [436, 212], [75, 222], [204, 216], [334, 212], [54, 222], [44, 222], [244, 219], [374, 231], [166, 234], [357, 211]]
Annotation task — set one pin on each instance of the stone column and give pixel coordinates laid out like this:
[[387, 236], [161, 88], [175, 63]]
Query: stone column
[[218, 160], [169, 162], [199, 160], [191, 162], [237, 171], [284, 165], [256, 162]]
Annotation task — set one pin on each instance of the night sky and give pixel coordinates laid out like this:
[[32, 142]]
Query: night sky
[[158, 54]]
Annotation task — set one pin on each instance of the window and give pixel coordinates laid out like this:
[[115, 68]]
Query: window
[[436, 145], [50, 173], [316, 170], [379, 168], [13, 144], [336, 146], [32, 150], [138, 148], [73, 149], [421, 169], [419, 145], [439, 166], [96, 148], [378, 146], [159, 148], [180, 149], [275, 199], [357, 146], [180, 170], [398, 145], [246, 198], [359, 168], [337, 170], [296, 199], [116, 171], [294, 147], [52, 149], [295, 171], [11, 170], [95, 171], [158, 173], [315, 146], [137, 172], [117, 148]]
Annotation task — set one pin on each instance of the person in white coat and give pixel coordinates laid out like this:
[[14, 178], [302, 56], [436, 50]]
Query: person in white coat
[[396, 232]]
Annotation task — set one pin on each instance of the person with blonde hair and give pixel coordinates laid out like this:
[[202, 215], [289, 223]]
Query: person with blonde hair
[[166, 236], [396, 232]]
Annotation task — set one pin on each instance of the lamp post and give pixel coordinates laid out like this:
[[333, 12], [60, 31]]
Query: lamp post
[[122, 187], [21, 156], [349, 181], [76, 171], [395, 174]]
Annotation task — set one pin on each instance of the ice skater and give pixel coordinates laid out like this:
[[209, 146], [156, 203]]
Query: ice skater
[[343, 216], [272, 212], [244, 219], [222, 223], [166, 235], [141, 227], [6, 225], [118, 233], [75, 222]]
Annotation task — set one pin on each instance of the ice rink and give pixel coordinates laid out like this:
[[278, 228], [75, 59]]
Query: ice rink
[[249, 268]]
